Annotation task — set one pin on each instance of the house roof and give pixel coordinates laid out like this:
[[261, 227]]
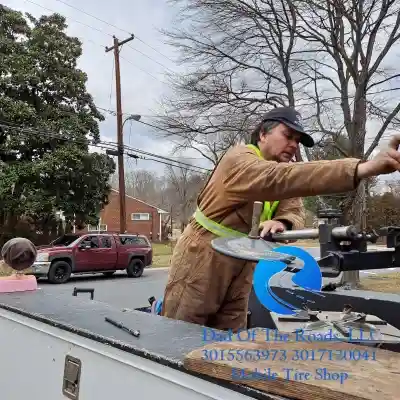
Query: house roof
[[141, 201]]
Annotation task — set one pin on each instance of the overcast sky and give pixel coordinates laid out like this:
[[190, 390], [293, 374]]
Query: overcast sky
[[142, 67]]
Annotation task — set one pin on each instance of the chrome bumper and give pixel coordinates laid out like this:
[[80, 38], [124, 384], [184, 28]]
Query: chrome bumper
[[40, 268]]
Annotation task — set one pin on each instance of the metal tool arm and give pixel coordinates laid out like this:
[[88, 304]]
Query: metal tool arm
[[342, 232], [336, 262], [342, 248], [337, 257]]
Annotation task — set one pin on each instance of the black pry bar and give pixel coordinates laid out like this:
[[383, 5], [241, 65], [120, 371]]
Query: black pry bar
[[133, 332], [76, 291]]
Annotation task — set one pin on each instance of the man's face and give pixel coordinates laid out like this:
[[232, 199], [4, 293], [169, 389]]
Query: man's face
[[279, 144]]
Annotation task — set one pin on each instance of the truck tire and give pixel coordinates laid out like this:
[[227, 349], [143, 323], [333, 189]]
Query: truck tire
[[60, 272], [135, 268]]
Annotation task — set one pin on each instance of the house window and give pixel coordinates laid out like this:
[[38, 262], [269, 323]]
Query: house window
[[140, 217], [96, 228]]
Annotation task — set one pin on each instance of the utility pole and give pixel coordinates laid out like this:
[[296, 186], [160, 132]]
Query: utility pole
[[120, 137]]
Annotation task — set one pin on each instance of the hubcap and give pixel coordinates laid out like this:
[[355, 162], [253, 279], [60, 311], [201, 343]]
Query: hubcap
[[136, 268], [60, 273]]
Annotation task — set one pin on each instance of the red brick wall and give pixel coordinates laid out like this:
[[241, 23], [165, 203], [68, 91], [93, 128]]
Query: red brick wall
[[110, 217]]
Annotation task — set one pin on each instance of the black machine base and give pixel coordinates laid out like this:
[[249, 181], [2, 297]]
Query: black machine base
[[384, 306]]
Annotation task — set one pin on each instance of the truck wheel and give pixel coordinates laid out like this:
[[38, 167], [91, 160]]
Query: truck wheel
[[60, 272], [135, 268]]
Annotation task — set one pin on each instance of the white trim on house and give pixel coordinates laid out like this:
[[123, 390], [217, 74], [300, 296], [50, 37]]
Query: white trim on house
[[160, 211], [96, 228], [147, 216]]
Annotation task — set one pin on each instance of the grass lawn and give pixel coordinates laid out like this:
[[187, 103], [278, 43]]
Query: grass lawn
[[305, 243], [386, 283], [5, 270], [162, 254]]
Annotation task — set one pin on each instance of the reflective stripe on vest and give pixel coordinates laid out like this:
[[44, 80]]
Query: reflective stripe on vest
[[268, 211], [223, 231], [214, 227]]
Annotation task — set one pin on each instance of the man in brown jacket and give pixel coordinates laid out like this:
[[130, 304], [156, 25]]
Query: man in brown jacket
[[211, 289]]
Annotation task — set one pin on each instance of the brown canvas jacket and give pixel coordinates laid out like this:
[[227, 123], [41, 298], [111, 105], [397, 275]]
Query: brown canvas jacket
[[242, 177]]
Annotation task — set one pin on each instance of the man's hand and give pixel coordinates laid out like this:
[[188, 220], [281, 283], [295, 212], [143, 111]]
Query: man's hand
[[385, 162], [272, 227]]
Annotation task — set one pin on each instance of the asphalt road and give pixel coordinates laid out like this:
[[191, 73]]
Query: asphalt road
[[124, 292], [119, 290]]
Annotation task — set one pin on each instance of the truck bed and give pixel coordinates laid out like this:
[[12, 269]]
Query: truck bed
[[163, 345]]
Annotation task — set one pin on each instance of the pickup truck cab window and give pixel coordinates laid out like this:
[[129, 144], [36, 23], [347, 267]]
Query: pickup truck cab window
[[106, 242], [65, 240], [93, 241], [133, 240]]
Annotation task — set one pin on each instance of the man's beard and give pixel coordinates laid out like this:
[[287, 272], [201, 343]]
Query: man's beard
[[279, 159]]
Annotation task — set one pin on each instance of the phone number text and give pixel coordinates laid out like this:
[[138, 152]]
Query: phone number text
[[288, 355]]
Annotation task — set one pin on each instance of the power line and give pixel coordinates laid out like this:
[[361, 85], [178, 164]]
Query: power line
[[56, 12], [100, 144], [152, 59], [143, 70], [116, 27], [111, 25], [157, 51], [162, 157], [135, 156], [130, 155], [114, 113], [97, 44]]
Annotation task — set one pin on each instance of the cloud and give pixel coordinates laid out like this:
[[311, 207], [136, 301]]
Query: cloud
[[143, 69]]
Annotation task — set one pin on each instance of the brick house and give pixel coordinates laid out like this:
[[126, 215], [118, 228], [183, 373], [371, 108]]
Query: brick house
[[141, 217]]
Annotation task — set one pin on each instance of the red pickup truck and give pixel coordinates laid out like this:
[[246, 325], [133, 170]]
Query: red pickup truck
[[93, 253]]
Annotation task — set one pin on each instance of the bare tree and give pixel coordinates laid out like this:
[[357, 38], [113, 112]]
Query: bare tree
[[144, 185], [384, 209], [114, 181], [183, 187], [176, 191], [241, 53], [328, 149], [349, 44], [394, 188]]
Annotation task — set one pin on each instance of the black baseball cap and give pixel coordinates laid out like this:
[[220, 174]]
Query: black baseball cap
[[291, 118]]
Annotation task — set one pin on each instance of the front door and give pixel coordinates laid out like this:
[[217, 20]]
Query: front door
[[107, 252], [86, 258]]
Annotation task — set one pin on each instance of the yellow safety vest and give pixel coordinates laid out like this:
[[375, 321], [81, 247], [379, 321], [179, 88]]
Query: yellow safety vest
[[223, 231]]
